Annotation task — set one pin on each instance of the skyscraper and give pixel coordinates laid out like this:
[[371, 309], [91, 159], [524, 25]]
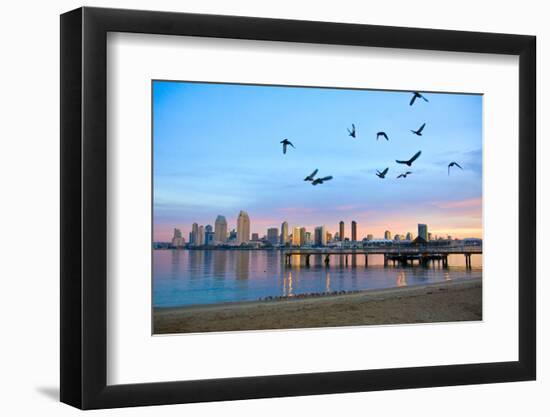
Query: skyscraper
[[243, 227], [303, 238], [194, 234], [320, 236], [409, 236], [341, 234], [296, 241], [208, 235], [423, 231], [284, 233], [387, 235], [200, 236], [273, 235], [370, 236], [220, 229], [255, 237], [177, 240], [354, 231]]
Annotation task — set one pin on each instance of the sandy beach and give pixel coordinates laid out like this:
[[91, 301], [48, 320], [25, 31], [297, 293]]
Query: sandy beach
[[442, 302]]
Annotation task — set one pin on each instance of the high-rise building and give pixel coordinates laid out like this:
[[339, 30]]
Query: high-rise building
[[220, 229], [329, 237], [409, 236], [397, 237], [370, 237], [200, 236], [354, 231], [284, 233], [255, 237], [232, 235], [320, 236], [423, 231], [208, 235], [296, 237], [243, 227], [303, 238], [177, 240], [387, 235], [194, 234], [429, 236], [341, 234], [273, 235]]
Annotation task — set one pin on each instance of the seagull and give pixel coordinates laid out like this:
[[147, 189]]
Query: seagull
[[352, 131], [404, 175], [382, 174], [311, 176], [383, 134], [321, 180], [285, 143], [416, 95], [451, 165], [410, 161], [419, 131]]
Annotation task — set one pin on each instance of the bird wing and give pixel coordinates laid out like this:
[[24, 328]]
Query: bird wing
[[314, 173], [284, 147], [458, 165], [422, 128], [386, 136], [400, 176], [326, 178], [424, 98], [385, 171], [413, 99], [401, 162], [408, 172], [416, 155], [290, 143], [449, 168]]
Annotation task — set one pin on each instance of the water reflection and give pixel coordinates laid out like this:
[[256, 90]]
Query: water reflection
[[184, 277]]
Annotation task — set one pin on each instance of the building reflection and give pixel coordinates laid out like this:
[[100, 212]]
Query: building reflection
[[287, 284], [401, 280], [242, 264], [219, 259]]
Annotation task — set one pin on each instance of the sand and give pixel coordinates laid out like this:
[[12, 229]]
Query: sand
[[442, 302]]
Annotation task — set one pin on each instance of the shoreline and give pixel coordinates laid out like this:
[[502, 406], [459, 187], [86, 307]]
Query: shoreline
[[437, 302]]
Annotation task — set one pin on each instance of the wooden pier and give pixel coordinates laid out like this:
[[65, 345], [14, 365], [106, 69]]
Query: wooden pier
[[396, 256]]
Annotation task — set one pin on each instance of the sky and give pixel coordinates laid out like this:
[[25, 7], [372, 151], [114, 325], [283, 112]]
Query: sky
[[217, 151]]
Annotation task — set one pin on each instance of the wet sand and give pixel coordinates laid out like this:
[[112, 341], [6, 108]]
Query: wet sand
[[442, 302]]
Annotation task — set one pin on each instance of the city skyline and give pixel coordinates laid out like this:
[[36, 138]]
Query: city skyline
[[201, 170], [201, 235]]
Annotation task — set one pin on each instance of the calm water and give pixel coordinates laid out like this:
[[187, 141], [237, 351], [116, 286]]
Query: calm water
[[184, 278]]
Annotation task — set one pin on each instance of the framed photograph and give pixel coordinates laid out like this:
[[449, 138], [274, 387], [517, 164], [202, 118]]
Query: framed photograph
[[256, 208]]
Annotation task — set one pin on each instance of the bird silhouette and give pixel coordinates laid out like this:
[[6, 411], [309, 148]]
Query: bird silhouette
[[416, 95], [382, 174], [383, 134], [404, 175], [321, 180], [311, 176], [286, 143], [410, 161], [419, 131], [352, 132], [452, 164]]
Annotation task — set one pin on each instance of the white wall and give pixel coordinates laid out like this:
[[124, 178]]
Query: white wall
[[29, 172]]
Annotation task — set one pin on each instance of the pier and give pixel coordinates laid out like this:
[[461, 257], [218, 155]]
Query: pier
[[404, 256]]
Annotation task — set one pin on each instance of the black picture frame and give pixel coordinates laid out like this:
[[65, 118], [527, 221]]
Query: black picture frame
[[84, 207]]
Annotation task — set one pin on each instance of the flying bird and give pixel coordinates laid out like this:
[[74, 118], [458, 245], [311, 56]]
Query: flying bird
[[321, 180], [382, 174], [416, 95], [410, 161], [419, 131], [383, 134], [352, 131], [404, 175], [286, 143], [311, 176], [452, 164]]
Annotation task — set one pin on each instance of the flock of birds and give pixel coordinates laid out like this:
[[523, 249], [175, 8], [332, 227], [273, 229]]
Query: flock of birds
[[380, 174]]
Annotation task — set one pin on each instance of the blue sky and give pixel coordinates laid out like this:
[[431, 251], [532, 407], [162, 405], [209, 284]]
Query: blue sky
[[217, 151]]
